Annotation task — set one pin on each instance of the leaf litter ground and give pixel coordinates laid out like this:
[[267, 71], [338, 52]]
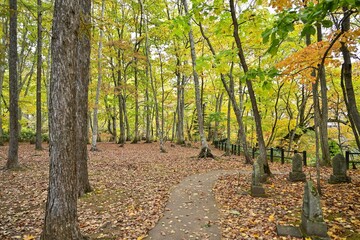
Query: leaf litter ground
[[132, 185]]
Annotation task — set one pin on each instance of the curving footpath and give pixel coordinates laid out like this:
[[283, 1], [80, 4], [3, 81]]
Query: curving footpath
[[191, 212]]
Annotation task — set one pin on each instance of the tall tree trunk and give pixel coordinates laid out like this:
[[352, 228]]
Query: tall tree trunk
[[228, 133], [218, 106], [316, 121], [121, 105], [136, 124], [259, 134], [61, 206], [2, 73], [205, 150], [349, 93], [126, 119], [82, 89], [38, 139], [13, 161], [323, 131], [96, 107], [180, 79]]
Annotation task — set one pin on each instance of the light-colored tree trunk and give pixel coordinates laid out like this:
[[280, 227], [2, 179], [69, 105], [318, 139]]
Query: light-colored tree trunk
[[205, 150], [96, 107], [323, 130], [13, 161]]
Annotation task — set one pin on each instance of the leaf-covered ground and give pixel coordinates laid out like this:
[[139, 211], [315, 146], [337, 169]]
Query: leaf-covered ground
[[132, 184], [245, 217]]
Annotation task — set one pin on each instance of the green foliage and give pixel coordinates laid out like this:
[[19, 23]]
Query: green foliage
[[334, 148]]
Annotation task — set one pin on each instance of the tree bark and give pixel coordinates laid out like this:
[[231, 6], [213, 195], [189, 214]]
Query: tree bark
[[2, 74], [38, 138], [13, 161], [351, 105], [61, 206], [82, 89], [323, 130], [260, 138], [205, 150]]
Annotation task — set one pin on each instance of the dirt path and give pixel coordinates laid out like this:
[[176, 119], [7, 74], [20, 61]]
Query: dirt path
[[191, 212]]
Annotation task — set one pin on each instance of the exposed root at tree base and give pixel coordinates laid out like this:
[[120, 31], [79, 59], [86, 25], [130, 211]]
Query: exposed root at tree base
[[205, 153]]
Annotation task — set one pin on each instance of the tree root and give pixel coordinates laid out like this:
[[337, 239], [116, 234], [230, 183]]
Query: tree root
[[206, 153]]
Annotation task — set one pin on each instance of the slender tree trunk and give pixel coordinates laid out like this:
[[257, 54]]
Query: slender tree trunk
[[96, 107], [323, 130], [13, 161], [180, 103], [38, 139], [136, 127], [276, 115], [230, 91], [219, 100], [61, 206], [128, 130], [205, 150], [260, 138], [2, 74], [82, 89], [228, 133], [121, 110]]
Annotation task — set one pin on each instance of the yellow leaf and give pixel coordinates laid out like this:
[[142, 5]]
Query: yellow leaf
[[271, 217], [141, 237], [29, 237]]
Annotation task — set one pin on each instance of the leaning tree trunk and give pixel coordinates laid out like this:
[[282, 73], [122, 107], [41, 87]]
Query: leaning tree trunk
[[96, 107], [61, 206], [12, 161], [259, 134], [82, 99], [349, 93], [38, 138], [237, 109], [205, 150]]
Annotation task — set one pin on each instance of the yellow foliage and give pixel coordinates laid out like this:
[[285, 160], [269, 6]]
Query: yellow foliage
[[304, 61]]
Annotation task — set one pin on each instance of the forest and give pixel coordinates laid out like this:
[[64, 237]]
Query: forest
[[80, 77]]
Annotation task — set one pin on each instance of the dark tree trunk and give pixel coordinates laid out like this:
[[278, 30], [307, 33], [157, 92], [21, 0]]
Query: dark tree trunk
[[12, 161], [259, 134], [349, 95], [38, 138], [260, 138], [61, 206], [180, 104], [136, 127], [82, 99]]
